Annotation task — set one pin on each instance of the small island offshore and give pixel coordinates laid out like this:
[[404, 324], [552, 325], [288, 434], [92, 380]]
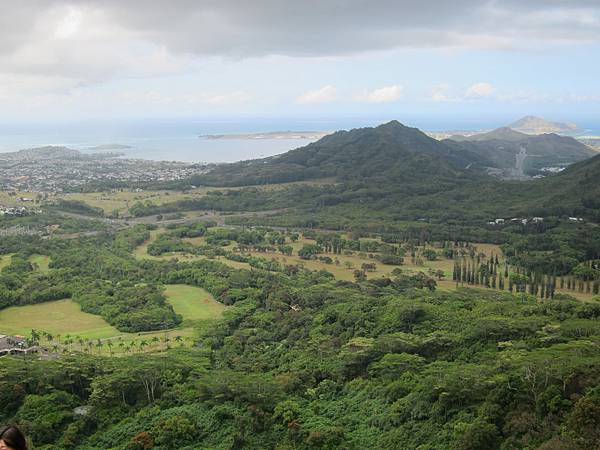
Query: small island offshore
[[309, 135]]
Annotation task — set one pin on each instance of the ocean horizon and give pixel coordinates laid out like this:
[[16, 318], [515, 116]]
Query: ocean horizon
[[180, 140]]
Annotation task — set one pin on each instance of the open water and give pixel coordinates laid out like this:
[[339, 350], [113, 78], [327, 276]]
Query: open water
[[179, 140]]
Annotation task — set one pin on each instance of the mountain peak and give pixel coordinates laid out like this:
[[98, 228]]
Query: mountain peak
[[500, 134], [392, 124], [538, 125]]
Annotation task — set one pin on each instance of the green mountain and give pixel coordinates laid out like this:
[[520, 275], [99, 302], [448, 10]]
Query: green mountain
[[503, 134], [500, 148], [395, 173], [388, 152]]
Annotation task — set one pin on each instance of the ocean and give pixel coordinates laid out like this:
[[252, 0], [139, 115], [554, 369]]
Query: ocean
[[179, 140]]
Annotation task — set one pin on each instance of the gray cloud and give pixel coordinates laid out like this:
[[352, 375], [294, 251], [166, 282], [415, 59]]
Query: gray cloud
[[145, 37], [332, 27]]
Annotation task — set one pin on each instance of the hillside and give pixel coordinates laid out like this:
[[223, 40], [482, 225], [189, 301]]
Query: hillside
[[503, 133], [47, 152], [395, 153], [500, 147], [537, 125], [53, 152], [393, 172], [578, 185], [391, 151]]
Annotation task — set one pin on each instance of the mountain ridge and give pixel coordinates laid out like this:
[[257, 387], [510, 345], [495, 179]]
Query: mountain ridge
[[389, 150]]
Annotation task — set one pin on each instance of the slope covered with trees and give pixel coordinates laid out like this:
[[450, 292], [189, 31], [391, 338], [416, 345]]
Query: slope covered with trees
[[388, 152], [500, 147]]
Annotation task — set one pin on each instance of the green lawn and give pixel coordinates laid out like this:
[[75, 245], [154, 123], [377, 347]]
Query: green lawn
[[193, 303], [5, 260], [42, 262], [57, 317]]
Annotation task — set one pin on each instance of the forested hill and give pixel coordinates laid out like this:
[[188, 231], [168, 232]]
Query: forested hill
[[578, 183], [499, 147], [391, 151], [391, 173], [503, 133]]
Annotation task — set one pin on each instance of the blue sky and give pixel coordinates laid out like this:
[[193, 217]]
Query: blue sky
[[469, 61]]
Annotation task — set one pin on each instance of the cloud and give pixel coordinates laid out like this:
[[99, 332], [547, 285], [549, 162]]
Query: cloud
[[386, 94], [96, 40], [326, 94], [441, 93], [480, 90]]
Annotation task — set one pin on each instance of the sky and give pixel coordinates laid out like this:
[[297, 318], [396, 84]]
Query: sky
[[101, 59]]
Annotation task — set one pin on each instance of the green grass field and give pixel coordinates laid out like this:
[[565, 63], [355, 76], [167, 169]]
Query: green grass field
[[193, 303], [65, 318], [57, 317], [41, 262], [5, 260]]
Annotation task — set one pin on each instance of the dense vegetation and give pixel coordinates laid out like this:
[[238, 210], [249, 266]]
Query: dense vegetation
[[376, 177], [398, 366], [302, 360]]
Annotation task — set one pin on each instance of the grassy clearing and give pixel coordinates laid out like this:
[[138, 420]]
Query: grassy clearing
[[14, 200], [57, 317], [5, 260], [193, 303], [347, 263], [197, 241], [75, 330], [121, 201], [141, 252], [41, 262]]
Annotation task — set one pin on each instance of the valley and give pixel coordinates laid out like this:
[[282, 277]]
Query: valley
[[363, 272]]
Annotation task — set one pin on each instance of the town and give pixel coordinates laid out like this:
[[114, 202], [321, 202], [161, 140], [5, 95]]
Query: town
[[52, 170]]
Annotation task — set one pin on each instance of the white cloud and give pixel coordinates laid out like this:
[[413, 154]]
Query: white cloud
[[386, 94], [69, 25], [480, 90], [441, 93], [326, 94]]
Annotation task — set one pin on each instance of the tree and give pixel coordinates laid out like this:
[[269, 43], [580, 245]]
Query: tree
[[308, 251], [360, 275], [429, 254]]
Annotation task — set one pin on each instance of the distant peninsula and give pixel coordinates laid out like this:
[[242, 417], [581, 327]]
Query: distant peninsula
[[52, 152], [537, 125], [104, 147], [312, 135]]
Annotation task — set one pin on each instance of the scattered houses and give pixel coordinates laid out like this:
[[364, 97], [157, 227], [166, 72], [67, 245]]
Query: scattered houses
[[11, 345], [517, 220], [18, 211]]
